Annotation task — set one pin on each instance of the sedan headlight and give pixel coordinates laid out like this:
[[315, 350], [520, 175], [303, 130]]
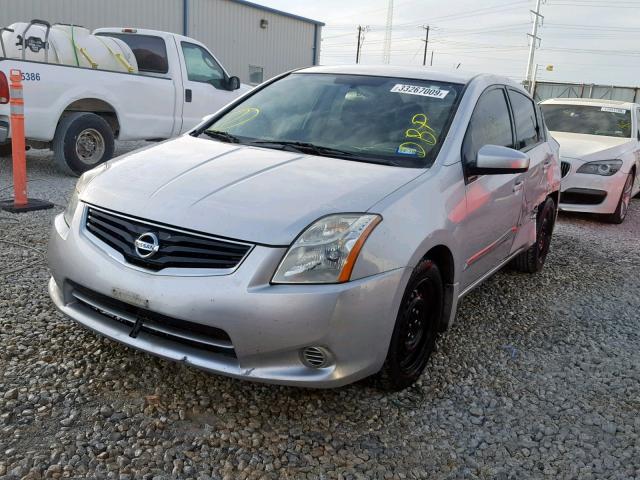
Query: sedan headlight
[[605, 168], [81, 184], [327, 250]]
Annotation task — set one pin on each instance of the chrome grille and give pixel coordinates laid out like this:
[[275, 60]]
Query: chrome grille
[[177, 248], [565, 168]]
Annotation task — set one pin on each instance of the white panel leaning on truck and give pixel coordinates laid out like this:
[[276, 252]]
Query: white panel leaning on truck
[[83, 90]]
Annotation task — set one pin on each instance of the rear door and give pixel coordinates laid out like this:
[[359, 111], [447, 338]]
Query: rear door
[[204, 82], [494, 202], [530, 139]]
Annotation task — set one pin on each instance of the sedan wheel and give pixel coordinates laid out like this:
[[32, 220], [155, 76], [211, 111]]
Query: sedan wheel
[[623, 204], [416, 330]]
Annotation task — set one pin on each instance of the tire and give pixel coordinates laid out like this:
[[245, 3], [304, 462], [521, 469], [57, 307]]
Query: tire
[[416, 329], [623, 204], [5, 150], [532, 260], [82, 141]]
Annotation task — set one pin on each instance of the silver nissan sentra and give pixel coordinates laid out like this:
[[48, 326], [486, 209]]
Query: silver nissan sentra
[[318, 230]]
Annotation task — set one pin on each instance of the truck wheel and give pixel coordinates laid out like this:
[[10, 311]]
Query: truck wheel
[[533, 259], [82, 141], [5, 150], [416, 330]]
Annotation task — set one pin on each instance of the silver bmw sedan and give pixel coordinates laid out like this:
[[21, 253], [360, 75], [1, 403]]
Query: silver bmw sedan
[[319, 230]]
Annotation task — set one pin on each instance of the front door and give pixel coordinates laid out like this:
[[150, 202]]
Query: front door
[[204, 85], [494, 202]]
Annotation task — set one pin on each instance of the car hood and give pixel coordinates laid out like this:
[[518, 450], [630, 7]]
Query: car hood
[[254, 194], [591, 147]]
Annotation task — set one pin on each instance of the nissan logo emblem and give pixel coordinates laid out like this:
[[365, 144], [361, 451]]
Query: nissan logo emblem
[[147, 245]]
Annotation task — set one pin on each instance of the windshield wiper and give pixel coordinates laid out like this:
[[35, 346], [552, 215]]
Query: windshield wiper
[[306, 147], [223, 136]]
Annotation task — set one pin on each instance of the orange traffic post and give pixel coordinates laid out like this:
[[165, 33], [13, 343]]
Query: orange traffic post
[[20, 202]]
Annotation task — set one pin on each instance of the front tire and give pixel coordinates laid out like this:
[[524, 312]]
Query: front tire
[[6, 150], [532, 261], [623, 204], [416, 330], [82, 141]]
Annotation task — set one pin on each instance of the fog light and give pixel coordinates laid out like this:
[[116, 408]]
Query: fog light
[[315, 357]]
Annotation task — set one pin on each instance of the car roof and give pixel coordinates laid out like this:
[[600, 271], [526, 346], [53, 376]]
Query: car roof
[[417, 73], [596, 102]]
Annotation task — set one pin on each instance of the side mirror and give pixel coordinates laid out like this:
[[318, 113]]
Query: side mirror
[[233, 83], [495, 160]]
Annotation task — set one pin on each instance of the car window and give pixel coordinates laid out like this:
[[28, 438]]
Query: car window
[[490, 124], [201, 66], [150, 51], [590, 120], [379, 119], [524, 115]]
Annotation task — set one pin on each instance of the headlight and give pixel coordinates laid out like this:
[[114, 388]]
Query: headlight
[[603, 167], [83, 181], [327, 250]]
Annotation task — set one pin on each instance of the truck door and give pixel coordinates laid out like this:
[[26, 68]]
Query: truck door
[[205, 85]]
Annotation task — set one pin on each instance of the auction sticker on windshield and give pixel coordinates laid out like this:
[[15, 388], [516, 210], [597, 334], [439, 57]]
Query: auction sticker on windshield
[[422, 91], [613, 110]]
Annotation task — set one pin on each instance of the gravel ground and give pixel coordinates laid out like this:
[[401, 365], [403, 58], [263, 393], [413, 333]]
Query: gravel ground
[[540, 378]]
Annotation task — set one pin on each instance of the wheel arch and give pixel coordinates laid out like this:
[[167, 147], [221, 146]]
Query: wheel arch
[[442, 256], [98, 107]]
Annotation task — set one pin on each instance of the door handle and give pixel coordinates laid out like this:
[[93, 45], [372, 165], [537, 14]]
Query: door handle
[[546, 165], [518, 186], [188, 94]]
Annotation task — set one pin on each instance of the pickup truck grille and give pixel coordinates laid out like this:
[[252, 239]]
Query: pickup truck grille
[[176, 248]]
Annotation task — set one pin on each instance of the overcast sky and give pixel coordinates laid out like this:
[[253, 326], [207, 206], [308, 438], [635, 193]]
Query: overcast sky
[[592, 41]]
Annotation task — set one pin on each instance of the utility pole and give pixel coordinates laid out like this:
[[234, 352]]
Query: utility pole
[[431, 64], [426, 44], [386, 50], [534, 43], [359, 43]]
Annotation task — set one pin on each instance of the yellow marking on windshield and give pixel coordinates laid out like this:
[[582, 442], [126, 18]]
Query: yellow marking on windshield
[[423, 133], [235, 119]]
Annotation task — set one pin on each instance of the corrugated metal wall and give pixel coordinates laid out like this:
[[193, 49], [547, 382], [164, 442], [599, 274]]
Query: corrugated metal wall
[[156, 14], [233, 32], [546, 90], [230, 29]]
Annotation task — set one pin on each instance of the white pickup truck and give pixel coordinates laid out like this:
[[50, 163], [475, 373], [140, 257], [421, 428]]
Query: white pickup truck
[[78, 112]]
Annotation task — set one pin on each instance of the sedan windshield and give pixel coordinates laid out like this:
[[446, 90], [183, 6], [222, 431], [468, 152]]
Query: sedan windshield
[[372, 119], [589, 120]]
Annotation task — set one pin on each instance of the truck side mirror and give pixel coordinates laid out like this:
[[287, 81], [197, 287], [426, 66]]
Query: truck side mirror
[[233, 83]]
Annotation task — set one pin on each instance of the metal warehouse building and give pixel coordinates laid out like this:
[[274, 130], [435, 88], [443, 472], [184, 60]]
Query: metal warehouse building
[[253, 42]]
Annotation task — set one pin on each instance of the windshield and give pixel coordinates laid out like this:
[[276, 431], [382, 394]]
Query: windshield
[[589, 120], [373, 119]]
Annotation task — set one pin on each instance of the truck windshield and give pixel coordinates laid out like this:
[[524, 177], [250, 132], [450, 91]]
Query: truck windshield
[[384, 120], [589, 120]]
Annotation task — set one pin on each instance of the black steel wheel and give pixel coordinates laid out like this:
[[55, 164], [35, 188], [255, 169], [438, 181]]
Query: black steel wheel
[[532, 260], [416, 330]]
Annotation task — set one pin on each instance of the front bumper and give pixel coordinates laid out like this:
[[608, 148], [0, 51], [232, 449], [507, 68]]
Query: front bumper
[[268, 325], [581, 192]]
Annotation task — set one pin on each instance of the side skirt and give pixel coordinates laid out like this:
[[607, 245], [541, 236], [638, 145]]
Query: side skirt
[[489, 273]]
